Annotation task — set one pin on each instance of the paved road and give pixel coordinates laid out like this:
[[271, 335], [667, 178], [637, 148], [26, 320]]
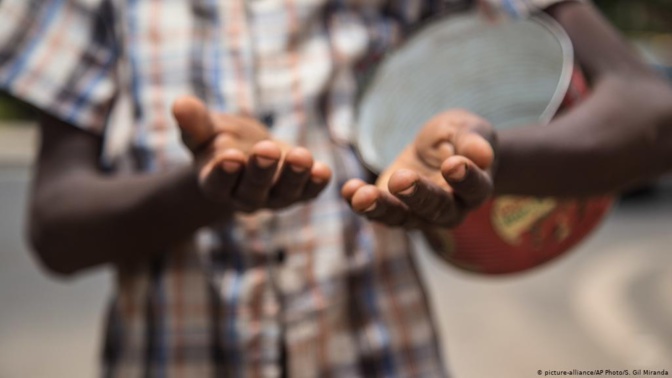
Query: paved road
[[48, 329], [606, 306]]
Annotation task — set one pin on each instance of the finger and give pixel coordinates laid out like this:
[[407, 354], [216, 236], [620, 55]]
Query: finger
[[380, 206], [471, 185], [476, 148], [219, 177], [425, 199], [434, 142], [194, 122], [453, 132], [350, 187], [320, 175], [293, 178], [257, 180]]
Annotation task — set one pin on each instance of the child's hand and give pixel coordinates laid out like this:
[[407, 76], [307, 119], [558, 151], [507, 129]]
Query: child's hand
[[437, 179], [238, 163]]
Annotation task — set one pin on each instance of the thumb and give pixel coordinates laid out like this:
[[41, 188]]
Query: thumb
[[475, 147], [193, 119]]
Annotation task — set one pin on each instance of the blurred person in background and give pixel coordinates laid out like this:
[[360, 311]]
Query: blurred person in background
[[190, 198]]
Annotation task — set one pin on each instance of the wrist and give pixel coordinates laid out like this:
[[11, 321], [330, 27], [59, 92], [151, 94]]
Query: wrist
[[190, 187]]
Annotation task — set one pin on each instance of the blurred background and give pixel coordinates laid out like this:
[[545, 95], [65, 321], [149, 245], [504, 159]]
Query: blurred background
[[607, 305]]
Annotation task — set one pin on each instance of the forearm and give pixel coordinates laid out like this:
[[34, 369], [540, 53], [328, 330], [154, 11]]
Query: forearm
[[83, 220], [621, 135]]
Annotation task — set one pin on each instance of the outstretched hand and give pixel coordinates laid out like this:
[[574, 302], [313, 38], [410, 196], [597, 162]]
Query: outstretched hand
[[441, 176], [237, 163]]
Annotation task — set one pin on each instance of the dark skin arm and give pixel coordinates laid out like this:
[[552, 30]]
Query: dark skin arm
[[81, 218], [620, 136]]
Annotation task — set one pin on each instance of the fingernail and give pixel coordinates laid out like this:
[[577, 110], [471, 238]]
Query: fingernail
[[408, 191], [231, 166], [458, 173], [370, 208], [318, 180], [298, 168], [265, 162]]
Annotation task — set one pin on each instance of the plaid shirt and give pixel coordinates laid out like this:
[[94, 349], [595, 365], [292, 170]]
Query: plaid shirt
[[313, 290]]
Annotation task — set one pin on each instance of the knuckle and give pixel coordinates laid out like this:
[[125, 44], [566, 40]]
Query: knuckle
[[259, 181], [213, 192], [248, 204], [477, 196], [475, 183], [286, 197]]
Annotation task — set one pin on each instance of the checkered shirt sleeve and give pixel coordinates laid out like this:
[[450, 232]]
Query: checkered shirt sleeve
[[60, 56]]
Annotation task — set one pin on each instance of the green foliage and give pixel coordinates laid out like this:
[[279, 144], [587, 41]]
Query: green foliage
[[11, 109], [639, 15]]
